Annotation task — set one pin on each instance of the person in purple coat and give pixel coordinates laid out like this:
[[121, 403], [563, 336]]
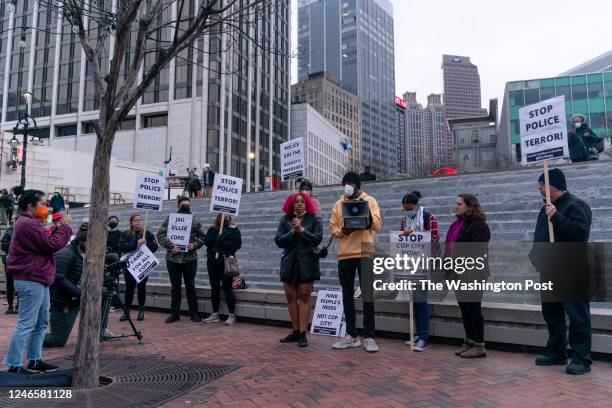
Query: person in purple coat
[[32, 266]]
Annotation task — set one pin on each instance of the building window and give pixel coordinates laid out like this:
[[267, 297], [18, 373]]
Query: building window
[[487, 156], [88, 127], [66, 130], [466, 157], [128, 124], [158, 120]]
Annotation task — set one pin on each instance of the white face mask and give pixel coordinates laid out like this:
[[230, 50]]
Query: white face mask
[[577, 125], [349, 190]]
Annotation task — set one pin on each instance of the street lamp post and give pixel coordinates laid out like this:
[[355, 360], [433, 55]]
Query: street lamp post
[[24, 122]]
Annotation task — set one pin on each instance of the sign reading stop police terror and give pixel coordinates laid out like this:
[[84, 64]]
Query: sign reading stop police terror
[[179, 230], [141, 262], [415, 245], [328, 319], [226, 194], [543, 131], [149, 192], [292, 159]]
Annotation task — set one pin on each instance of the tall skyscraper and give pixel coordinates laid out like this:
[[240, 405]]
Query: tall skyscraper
[[461, 87], [428, 143], [224, 102], [352, 40], [400, 120], [339, 106]]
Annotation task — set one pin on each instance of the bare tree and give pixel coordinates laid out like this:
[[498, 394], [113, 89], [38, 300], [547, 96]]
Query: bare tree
[[119, 80]]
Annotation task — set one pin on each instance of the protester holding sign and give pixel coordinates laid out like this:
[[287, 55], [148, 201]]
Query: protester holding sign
[[584, 144], [416, 219], [298, 234], [566, 265], [468, 237], [182, 265], [32, 265], [221, 242], [129, 241], [355, 255]]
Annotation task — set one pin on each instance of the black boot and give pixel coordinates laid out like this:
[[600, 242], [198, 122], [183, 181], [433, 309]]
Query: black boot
[[10, 310], [292, 337], [303, 341], [124, 317], [140, 313], [174, 317]]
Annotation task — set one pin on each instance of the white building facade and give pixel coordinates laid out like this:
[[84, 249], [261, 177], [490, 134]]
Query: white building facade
[[325, 158], [224, 102]]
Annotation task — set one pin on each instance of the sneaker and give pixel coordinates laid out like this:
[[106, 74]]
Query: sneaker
[[575, 368], [113, 309], [292, 337], [549, 359], [109, 335], [173, 318], [21, 370], [420, 345], [409, 343], [213, 318], [231, 320], [303, 341], [477, 351], [41, 366], [347, 342], [370, 345]]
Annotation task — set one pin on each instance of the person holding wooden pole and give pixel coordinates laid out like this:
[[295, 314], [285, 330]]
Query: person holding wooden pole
[[566, 264]]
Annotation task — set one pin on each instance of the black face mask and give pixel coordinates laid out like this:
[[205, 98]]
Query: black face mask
[[185, 209], [112, 225]]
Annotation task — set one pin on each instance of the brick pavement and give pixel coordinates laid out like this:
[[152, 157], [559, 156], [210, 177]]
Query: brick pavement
[[275, 375]]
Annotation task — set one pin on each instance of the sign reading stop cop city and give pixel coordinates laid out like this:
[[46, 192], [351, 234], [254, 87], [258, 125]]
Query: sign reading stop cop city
[[543, 131], [292, 159], [149, 192], [226, 194], [415, 245], [179, 230]]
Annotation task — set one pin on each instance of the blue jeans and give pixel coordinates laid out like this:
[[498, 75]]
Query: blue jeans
[[421, 314], [32, 320]]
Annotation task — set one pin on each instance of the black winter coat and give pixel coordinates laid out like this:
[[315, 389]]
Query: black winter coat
[[112, 241], [226, 244], [567, 262], [6, 243], [129, 243], [473, 242], [299, 247], [65, 290]]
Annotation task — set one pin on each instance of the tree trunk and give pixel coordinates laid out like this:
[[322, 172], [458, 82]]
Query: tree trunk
[[85, 365]]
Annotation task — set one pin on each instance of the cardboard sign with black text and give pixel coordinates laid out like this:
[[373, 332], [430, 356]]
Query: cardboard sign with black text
[[292, 159], [140, 263], [149, 192], [544, 131], [226, 194], [179, 230], [328, 318]]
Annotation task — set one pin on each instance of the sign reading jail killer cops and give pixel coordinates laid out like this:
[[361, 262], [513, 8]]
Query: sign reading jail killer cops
[[179, 230], [141, 262], [292, 159], [226, 194], [149, 192], [543, 131], [328, 318], [415, 246]]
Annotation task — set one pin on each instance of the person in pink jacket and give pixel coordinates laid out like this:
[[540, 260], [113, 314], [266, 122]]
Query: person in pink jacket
[[32, 266]]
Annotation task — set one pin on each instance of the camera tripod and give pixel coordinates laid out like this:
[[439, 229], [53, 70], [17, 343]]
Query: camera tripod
[[108, 297]]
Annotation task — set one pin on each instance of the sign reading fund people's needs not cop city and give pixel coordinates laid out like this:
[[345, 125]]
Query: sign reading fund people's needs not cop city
[[543, 131], [292, 159], [226, 194]]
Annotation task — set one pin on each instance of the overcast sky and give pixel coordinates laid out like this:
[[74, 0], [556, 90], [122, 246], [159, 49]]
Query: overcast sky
[[507, 40]]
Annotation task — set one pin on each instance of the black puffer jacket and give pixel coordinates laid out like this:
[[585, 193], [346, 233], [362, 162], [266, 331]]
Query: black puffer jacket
[[299, 247], [66, 291], [129, 243], [226, 244]]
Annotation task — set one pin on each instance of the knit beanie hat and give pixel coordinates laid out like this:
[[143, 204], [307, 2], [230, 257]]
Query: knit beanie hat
[[556, 179]]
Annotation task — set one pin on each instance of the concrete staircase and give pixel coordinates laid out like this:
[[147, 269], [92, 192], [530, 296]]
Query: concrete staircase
[[509, 198]]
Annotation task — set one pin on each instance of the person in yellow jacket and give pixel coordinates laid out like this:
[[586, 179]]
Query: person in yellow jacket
[[355, 254]]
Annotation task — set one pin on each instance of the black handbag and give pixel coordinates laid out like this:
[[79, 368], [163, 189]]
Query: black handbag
[[321, 252]]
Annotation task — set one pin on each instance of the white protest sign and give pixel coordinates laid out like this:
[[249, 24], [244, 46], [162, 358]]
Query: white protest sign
[[140, 263], [328, 319], [179, 230], [226, 194], [149, 192], [543, 131], [416, 247], [292, 159]]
